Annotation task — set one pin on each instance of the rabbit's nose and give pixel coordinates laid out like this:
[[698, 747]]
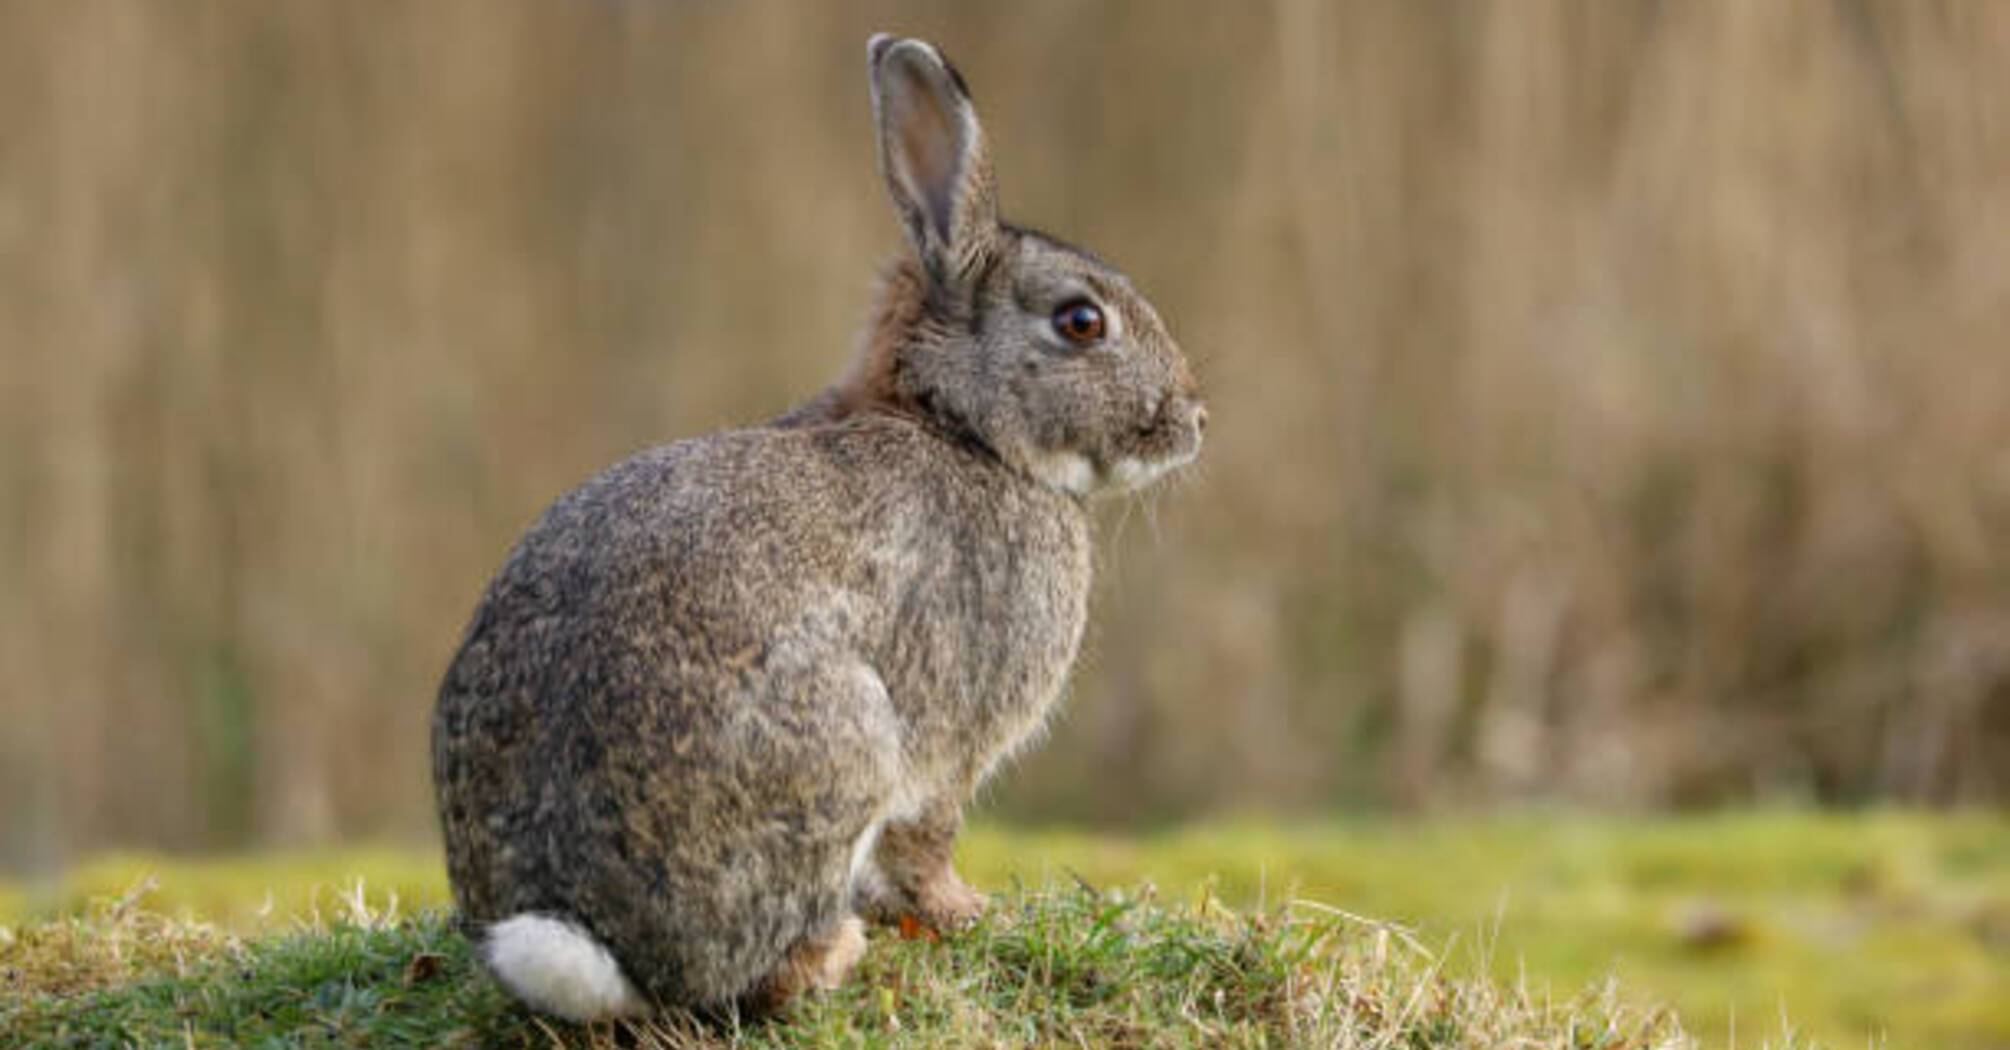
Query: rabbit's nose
[[1200, 418]]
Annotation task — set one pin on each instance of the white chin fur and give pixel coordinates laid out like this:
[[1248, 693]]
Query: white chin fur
[[1131, 473], [558, 968], [1073, 472], [1067, 471]]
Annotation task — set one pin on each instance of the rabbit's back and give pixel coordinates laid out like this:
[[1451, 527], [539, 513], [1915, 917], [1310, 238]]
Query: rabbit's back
[[705, 673]]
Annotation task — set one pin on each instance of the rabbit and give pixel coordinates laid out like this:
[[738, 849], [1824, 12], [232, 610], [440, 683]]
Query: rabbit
[[730, 696]]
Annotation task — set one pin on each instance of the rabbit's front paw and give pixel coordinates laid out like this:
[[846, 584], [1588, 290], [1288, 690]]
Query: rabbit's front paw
[[948, 903], [940, 902], [912, 880]]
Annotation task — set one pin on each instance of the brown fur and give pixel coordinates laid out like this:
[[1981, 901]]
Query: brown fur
[[873, 382]]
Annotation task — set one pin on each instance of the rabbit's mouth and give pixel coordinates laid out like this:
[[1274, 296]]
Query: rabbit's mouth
[[1171, 440]]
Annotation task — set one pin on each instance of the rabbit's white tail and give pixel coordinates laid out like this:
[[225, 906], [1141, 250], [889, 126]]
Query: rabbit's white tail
[[559, 968]]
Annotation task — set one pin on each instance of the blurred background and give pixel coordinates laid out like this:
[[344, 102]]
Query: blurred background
[[1610, 397]]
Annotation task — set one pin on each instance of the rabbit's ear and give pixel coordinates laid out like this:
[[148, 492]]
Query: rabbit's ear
[[932, 152]]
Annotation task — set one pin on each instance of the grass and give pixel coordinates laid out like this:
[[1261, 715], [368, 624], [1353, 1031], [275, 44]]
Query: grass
[[1886, 926], [1065, 968]]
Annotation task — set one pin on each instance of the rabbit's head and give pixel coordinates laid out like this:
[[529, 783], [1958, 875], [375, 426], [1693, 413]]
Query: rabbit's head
[[1038, 351]]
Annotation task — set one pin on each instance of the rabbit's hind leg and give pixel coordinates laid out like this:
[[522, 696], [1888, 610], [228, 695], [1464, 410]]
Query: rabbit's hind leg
[[816, 963], [835, 782]]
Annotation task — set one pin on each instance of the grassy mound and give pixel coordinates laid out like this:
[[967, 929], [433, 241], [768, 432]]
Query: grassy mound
[[1059, 968], [1880, 928]]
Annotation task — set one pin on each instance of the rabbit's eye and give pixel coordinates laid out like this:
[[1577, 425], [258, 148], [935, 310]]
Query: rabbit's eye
[[1079, 321]]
